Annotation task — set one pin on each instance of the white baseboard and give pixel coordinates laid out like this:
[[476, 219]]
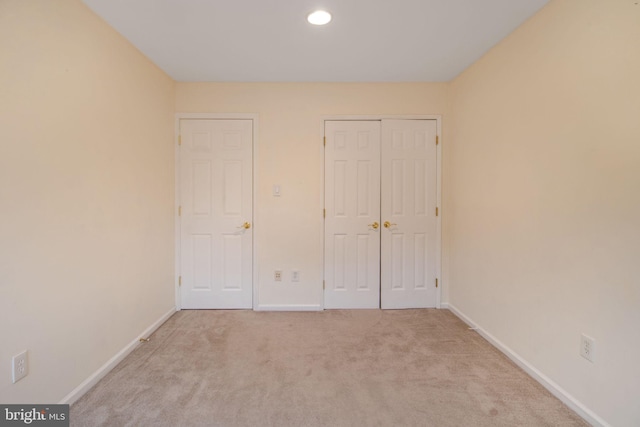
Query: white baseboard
[[288, 307], [588, 415], [86, 385]]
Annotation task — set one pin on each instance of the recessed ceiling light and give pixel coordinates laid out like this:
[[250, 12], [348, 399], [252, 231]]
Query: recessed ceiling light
[[319, 17]]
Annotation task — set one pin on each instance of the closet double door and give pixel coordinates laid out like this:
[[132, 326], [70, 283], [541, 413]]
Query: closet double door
[[380, 214]]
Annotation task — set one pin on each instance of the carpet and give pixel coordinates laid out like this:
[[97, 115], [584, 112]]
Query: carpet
[[332, 368]]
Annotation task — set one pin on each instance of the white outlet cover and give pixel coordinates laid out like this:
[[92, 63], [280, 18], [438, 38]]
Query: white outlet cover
[[295, 276], [19, 366], [588, 348]]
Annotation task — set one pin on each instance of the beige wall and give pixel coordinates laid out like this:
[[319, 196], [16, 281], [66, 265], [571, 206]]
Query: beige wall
[[289, 153], [545, 198], [86, 195]]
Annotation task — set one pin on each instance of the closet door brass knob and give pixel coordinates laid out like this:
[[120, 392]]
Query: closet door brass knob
[[388, 224], [246, 226], [375, 225]]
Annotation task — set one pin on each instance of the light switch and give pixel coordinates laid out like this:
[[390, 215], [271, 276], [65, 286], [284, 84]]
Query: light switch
[[276, 190]]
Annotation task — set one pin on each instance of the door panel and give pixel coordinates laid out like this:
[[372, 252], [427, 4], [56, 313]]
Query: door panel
[[216, 167], [408, 192], [352, 203]]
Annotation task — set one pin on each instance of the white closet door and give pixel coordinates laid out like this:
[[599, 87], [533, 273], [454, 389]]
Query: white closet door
[[216, 203], [408, 209], [352, 203]]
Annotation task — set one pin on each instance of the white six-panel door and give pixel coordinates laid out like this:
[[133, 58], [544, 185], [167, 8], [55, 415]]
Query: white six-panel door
[[216, 213], [380, 224], [352, 217], [408, 213]]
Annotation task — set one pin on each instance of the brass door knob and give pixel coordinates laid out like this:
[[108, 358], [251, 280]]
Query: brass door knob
[[246, 226], [388, 224], [375, 225]]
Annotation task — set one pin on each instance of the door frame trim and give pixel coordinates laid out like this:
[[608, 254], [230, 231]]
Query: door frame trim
[[254, 117], [352, 117]]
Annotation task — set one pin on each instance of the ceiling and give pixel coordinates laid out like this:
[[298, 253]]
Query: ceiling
[[270, 40]]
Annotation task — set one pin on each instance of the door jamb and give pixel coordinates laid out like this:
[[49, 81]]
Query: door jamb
[[438, 119], [214, 116]]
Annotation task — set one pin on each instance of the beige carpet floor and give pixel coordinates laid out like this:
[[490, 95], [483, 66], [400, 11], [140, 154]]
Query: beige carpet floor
[[331, 368]]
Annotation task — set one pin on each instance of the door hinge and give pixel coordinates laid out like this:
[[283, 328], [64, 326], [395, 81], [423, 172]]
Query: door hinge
[[179, 280], [436, 283], [324, 141], [437, 140], [323, 285], [179, 210], [324, 213], [179, 139], [437, 211]]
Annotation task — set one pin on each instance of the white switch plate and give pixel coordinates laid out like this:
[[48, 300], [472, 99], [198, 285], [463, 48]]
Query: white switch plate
[[20, 367], [295, 276], [276, 190]]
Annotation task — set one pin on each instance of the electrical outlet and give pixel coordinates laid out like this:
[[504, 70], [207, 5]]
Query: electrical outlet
[[20, 367], [295, 276], [277, 275], [588, 348]]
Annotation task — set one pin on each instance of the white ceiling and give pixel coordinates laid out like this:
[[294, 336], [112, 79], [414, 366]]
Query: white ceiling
[[270, 40]]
